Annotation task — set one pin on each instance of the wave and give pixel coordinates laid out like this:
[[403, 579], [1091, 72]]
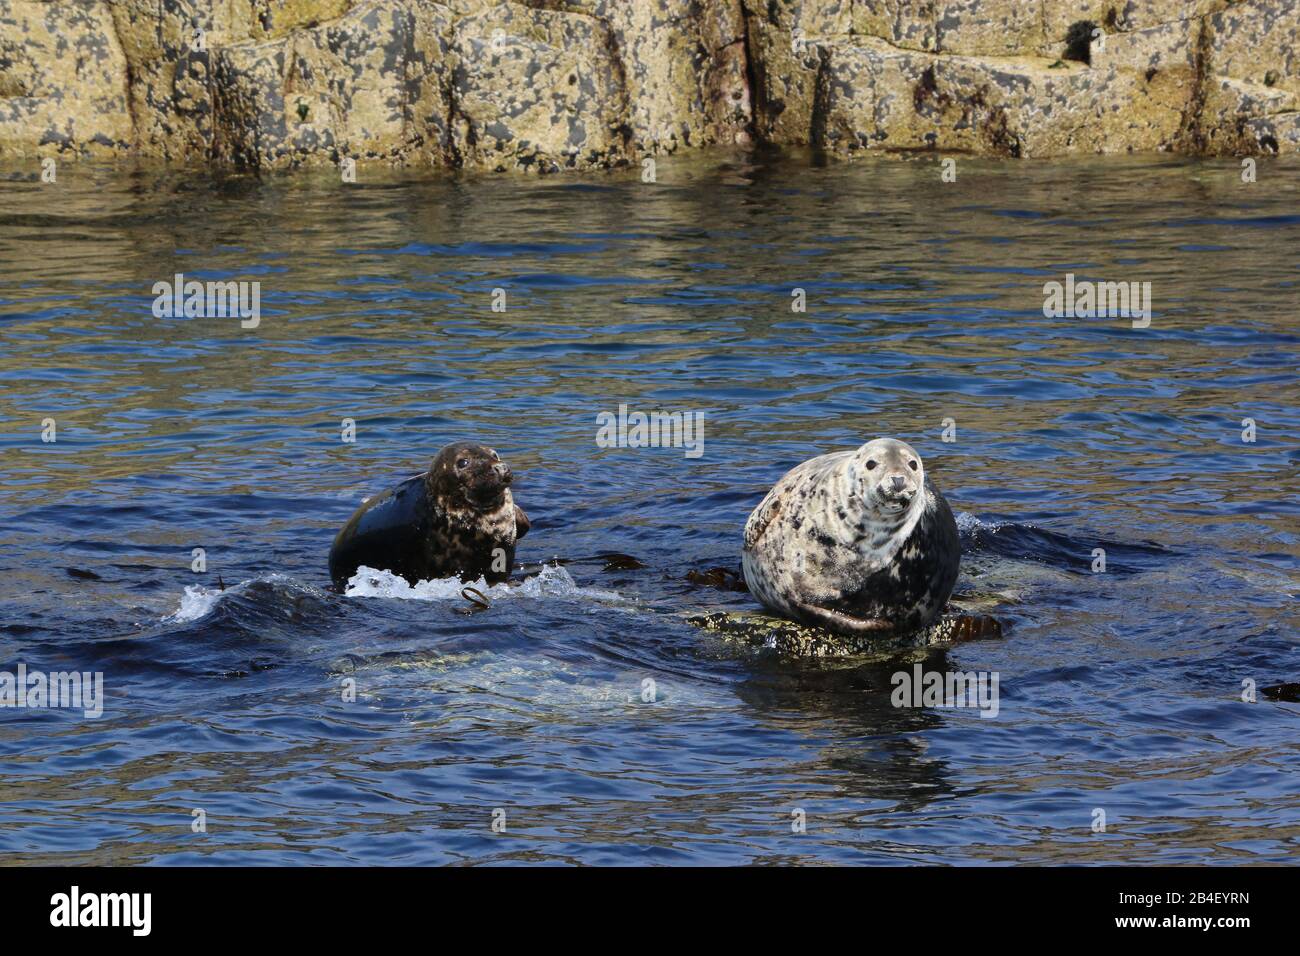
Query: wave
[[552, 582], [1068, 552], [198, 601]]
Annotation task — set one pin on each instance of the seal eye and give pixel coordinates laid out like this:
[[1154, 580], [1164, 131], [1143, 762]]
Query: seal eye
[[912, 465], [463, 463], [871, 464]]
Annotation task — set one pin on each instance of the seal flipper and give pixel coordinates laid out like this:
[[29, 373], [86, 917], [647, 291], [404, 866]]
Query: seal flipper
[[842, 623], [522, 524]]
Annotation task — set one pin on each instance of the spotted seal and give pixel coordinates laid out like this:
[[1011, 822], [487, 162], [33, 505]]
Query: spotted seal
[[858, 542], [458, 519]]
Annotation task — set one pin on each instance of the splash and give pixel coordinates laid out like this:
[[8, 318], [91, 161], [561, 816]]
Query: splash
[[199, 601], [553, 581], [196, 602]]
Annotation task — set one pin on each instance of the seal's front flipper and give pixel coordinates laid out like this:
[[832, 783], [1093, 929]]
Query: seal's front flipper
[[842, 623], [522, 524]]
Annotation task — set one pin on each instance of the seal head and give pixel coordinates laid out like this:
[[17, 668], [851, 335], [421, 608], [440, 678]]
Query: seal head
[[469, 476], [890, 475], [458, 519], [858, 542]]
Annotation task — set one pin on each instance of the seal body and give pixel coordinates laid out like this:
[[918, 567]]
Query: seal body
[[458, 519], [858, 542]]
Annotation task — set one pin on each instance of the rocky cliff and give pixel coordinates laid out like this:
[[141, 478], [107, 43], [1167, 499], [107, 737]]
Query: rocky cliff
[[543, 85]]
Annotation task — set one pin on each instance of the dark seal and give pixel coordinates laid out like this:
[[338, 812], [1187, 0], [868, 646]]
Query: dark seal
[[858, 542], [455, 520]]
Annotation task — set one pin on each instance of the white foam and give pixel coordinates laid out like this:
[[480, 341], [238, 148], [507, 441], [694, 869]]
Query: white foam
[[195, 603], [553, 581]]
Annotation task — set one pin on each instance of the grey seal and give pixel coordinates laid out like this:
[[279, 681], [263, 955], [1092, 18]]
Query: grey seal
[[858, 542], [458, 519]]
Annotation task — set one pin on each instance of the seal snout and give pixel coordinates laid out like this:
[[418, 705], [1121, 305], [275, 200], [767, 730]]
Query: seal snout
[[487, 480], [897, 489]]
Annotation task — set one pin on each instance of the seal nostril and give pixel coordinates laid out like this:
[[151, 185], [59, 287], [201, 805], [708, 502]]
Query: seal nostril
[[899, 482]]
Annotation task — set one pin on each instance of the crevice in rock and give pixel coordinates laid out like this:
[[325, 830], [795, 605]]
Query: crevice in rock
[[1192, 136], [455, 159], [751, 78], [615, 53], [821, 105], [129, 80], [411, 138]]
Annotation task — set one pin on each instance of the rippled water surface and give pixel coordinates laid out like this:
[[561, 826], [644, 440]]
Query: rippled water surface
[[1120, 691]]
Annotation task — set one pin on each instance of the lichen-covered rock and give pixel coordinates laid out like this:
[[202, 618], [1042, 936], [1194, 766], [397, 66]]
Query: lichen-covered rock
[[1164, 46], [1279, 133], [277, 18], [875, 96], [1060, 15], [965, 27], [685, 71], [169, 49], [1226, 112], [983, 28], [555, 84], [348, 89], [1257, 41], [1141, 14], [785, 66], [63, 80], [537, 89]]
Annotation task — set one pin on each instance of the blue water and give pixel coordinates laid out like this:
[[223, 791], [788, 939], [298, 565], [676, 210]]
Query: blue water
[[1119, 691]]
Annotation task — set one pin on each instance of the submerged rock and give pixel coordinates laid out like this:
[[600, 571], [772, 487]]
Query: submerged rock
[[547, 85], [799, 640]]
